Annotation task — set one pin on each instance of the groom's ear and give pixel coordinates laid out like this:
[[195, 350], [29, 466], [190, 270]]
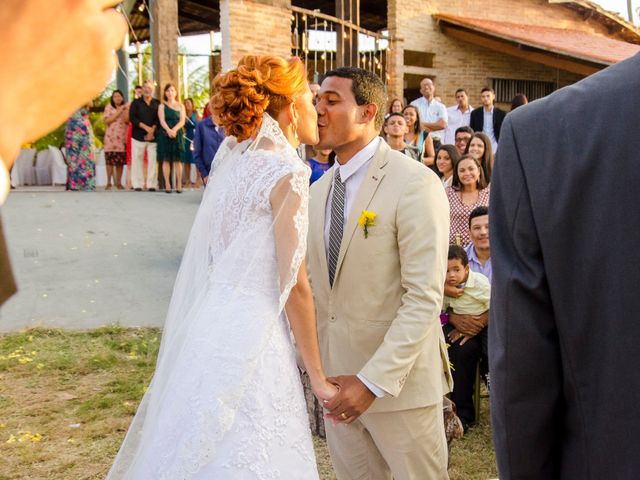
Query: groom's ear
[[368, 113]]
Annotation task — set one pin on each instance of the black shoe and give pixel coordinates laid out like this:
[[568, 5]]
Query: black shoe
[[467, 425], [167, 190], [151, 190], [178, 191], [138, 189]]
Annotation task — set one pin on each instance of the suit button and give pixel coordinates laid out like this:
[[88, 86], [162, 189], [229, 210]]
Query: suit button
[[332, 318]]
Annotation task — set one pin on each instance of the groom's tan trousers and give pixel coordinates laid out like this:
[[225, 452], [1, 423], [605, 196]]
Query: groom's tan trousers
[[403, 445]]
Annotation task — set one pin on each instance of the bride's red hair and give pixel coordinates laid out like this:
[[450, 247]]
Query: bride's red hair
[[260, 83]]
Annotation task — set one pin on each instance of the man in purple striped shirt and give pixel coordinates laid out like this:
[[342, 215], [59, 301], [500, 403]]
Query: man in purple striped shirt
[[479, 250]]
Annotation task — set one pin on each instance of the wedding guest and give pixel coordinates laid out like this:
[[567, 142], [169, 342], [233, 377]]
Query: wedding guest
[[79, 144], [433, 114], [319, 161], [143, 115], [171, 115], [137, 93], [472, 291], [191, 119], [479, 147], [462, 138], [416, 136], [459, 115], [468, 190], [446, 158], [395, 106], [116, 117], [206, 111], [488, 118], [315, 88], [395, 128], [206, 140], [519, 100]]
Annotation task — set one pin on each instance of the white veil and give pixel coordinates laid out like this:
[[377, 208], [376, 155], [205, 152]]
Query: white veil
[[245, 248]]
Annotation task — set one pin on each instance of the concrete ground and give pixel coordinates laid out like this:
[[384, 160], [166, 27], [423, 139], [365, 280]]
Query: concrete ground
[[86, 259]]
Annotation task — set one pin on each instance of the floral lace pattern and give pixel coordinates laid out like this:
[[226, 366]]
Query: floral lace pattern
[[226, 400]]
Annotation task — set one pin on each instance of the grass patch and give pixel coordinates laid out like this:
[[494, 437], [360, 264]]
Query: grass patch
[[66, 400]]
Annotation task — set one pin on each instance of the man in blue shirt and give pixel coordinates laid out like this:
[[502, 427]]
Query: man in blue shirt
[[206, 141]]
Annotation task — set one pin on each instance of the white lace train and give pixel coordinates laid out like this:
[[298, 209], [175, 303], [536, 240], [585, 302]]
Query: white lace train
[[226, 400]]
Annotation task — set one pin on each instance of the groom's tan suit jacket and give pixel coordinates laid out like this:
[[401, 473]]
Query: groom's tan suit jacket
[[381, 317]]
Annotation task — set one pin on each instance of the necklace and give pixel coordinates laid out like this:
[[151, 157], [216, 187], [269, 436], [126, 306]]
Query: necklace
[[469, 195]]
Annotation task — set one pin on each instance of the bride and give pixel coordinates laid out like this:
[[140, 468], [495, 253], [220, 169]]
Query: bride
[[226, 400]]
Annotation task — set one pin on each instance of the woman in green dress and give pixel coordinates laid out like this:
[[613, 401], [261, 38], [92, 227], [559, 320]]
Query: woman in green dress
[[172, 116]]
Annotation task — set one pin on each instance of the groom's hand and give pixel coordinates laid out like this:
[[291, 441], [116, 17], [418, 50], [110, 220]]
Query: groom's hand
[[353, 399]]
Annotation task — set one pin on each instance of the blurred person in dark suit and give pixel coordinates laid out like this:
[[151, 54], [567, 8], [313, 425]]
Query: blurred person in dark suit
[[563, 342]]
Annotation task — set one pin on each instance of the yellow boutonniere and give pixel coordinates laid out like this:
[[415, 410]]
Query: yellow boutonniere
[[367, 219]]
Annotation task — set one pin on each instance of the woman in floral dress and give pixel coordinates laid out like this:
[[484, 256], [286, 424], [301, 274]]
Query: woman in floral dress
[[80, 151], [116, 116]]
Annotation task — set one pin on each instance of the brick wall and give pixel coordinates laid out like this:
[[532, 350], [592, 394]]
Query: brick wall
[[254, 27], [462, 64]]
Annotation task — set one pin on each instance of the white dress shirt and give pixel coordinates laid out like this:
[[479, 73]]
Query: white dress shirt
[[5, 182], [431, 112], [456, 119], [487, 127], [352, 174]]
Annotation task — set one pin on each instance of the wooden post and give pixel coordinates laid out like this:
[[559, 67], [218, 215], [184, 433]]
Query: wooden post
[[164, 41]]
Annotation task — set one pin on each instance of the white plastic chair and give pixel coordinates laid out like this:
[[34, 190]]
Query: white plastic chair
[[101, 168], [58, 166], [23, 172], [43, 168]]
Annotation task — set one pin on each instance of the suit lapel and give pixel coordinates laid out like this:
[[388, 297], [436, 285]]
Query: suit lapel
[[370, 183]]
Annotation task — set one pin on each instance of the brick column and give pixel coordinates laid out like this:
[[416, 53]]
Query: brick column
[[254, 27], [164, 38], [395, 59]]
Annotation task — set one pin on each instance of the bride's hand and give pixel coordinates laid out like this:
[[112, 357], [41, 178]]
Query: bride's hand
[[324, 390]]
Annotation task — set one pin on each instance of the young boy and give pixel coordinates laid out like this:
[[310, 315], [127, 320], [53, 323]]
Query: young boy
[[477, 288], [395, 127], [473, 301]]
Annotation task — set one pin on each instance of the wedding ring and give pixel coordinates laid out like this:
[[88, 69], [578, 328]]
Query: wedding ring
[[343, 416]]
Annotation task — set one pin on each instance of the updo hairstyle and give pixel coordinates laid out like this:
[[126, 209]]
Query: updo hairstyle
[[260, 83]]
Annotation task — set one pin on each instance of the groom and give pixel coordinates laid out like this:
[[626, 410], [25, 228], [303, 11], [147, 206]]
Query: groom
[[377, 280]]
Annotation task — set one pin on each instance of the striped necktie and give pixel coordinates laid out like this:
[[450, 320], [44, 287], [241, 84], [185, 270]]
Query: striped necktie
[[337, 224]]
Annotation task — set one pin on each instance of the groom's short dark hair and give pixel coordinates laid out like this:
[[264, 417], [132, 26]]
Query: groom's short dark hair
[[366, 87]]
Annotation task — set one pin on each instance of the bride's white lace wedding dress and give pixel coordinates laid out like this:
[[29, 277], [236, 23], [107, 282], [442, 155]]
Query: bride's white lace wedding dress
[[226, 400]]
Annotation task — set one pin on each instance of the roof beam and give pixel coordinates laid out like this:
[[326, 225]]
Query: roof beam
[[516, 50], [205, 5], [196, 18]]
